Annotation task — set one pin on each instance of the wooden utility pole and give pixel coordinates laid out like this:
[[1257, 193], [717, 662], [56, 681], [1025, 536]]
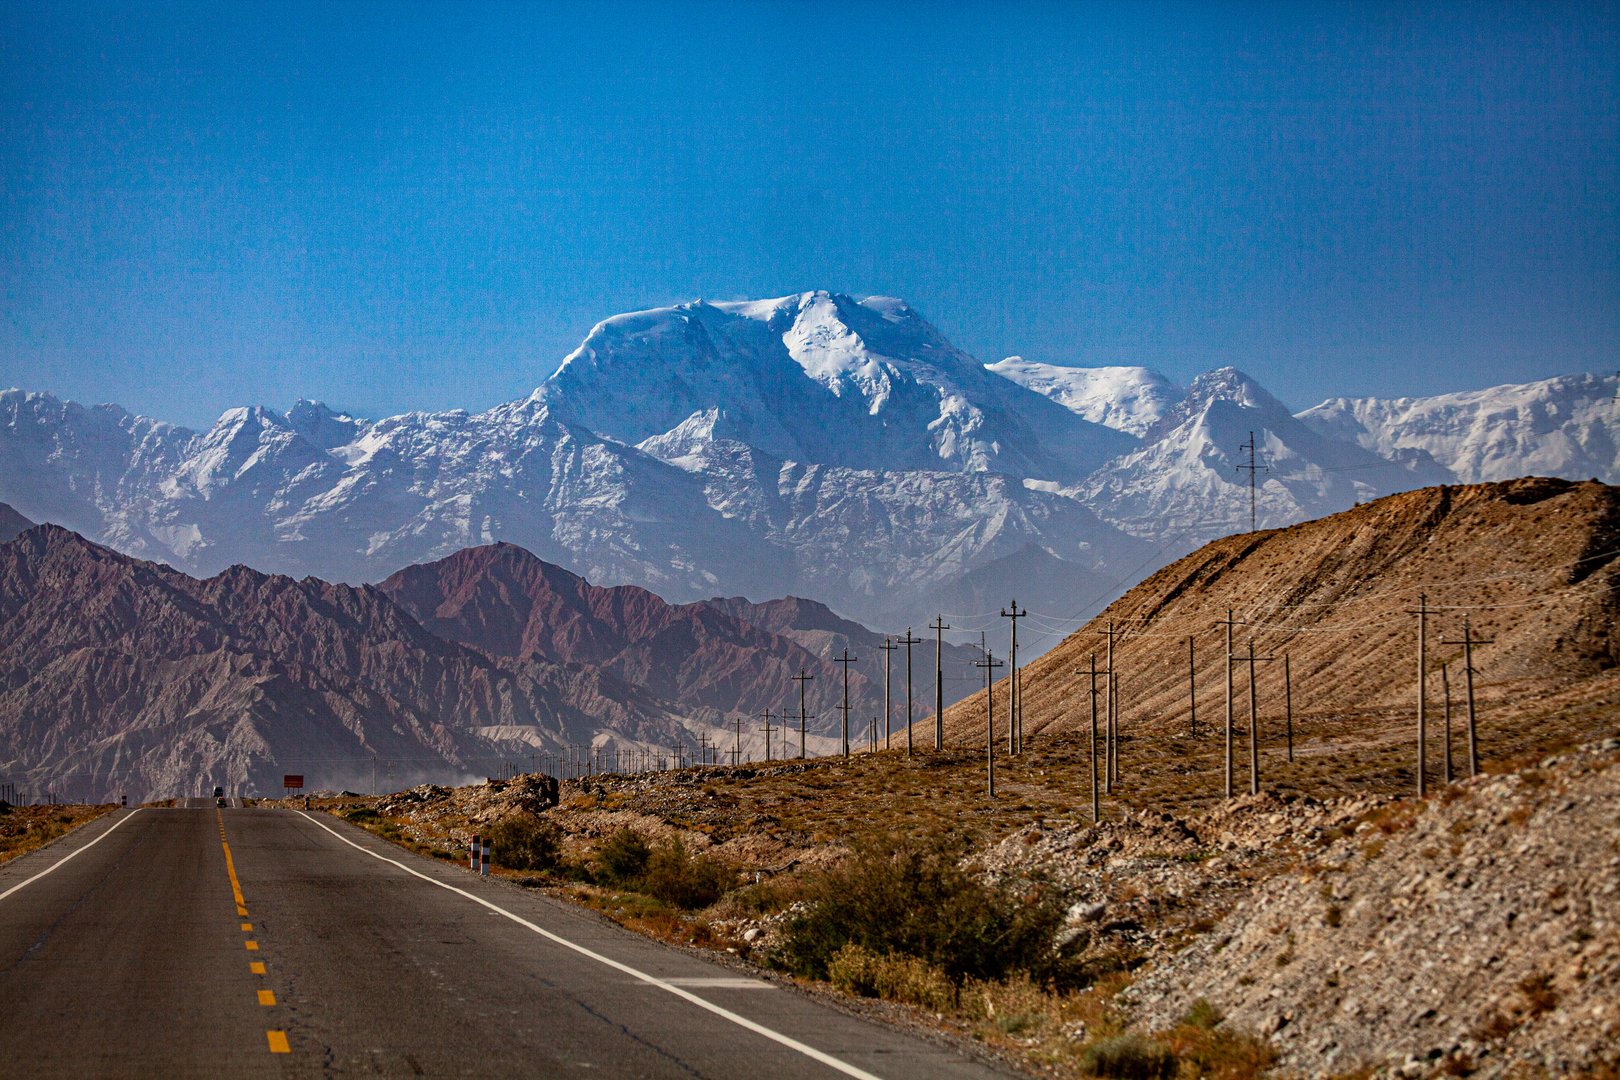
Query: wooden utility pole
[[939, 626], [1422, 613], [1288, 699], [908, 641], [1013, 735], [1096, 802], [1254, 720], [736, 753], [846, 660], [1228, 622], [988, 663], [767, 736], [1108, 703], [1251, 468], [888, 648], [801, 678], [1468, 642], [1192, 692]]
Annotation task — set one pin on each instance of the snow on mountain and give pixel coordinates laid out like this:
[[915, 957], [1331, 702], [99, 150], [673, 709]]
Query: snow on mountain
[[1567, 427], [1128, 399], [822, 378], [1184, 487], [811, 444]]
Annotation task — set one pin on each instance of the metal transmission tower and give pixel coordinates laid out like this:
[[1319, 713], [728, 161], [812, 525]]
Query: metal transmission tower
[[908, 641], [801, 678], [846, 660], [1015, 733], [939, 626], [1251, 468]]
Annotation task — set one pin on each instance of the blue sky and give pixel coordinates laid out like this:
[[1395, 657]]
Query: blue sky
[[394, 207]]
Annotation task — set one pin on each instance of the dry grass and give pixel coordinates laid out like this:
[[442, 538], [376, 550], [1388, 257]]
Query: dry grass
[[28, 828]]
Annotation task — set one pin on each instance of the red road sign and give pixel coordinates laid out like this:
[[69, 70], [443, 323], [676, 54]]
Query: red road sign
[[292, 780]]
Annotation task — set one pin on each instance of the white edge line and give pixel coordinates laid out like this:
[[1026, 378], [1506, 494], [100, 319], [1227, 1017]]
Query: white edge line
[[64, 859], [651, 980]]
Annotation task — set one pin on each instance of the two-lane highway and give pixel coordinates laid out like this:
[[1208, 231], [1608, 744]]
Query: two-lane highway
[[200, 942]]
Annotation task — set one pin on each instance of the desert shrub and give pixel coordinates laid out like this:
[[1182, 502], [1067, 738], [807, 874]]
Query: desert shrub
[[522, 843], [683, 879], [899, 896], [1129, 1057], [892, 978], [1202, 1015], [362, 814], [623, 857]]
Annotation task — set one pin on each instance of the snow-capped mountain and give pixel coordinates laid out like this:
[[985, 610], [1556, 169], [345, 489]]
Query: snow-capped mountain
[[1568, 427], [1128, 399], [1184, 486], [824, 379], [815, 445]]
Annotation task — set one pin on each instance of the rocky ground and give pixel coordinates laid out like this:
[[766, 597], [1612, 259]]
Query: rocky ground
[[1475, 931]]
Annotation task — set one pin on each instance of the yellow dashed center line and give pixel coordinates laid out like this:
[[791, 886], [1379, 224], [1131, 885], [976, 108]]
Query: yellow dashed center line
[[277, 1040]]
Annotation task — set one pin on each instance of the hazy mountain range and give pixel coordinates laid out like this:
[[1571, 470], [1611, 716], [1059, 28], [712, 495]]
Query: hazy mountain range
[[812, 445], [120, 676]]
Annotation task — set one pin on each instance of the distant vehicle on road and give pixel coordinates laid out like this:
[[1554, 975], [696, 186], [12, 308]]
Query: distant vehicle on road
[[219, 797]]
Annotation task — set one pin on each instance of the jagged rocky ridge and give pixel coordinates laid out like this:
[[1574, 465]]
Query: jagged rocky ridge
[[127, 677]]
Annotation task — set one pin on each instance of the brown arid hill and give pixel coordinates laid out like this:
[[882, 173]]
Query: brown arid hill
[[12, 524], [826, 634], [119, 676], [708, 658], [1530, 564]]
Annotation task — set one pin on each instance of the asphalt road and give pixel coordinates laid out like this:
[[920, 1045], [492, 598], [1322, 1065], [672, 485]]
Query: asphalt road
[[244, 943]]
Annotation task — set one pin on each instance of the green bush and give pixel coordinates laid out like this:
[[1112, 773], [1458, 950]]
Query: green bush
[[523, 843], [685, 880], [623, 857], [897, 896], [1129, 1057]]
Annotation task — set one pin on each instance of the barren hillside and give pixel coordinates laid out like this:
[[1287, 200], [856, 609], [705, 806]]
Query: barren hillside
[[1531, 564]]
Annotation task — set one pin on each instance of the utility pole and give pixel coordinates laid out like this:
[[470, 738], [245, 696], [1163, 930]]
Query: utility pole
[[908, 641], [1288, 699], [736, 753], [1110, 733], [1228, 622], [1423, 720], [767, 736], [1096, 804], [1192, 692], [989, 662], [939, 626], [1014, 736], [801, 678], [1468, 642], [1445, 693], [1254, 721], [846, 660], [888, 648], [1251, 468]]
